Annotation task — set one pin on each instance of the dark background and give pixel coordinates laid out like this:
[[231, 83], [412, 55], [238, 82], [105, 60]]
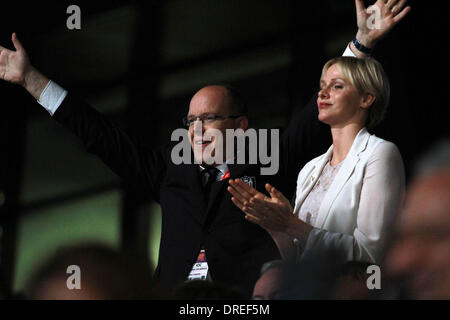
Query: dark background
[[140, 62]]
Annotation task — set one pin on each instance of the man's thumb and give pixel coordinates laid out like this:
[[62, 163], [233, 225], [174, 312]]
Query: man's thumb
[[16, 42]]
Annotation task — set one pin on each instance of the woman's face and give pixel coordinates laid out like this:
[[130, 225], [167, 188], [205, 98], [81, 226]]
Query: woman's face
[[339, 101]]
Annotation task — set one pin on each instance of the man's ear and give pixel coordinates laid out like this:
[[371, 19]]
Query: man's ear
[[367, 100], [243, 123]]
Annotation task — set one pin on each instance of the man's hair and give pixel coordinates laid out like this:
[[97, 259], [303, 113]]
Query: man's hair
[[368, 77], [273, 264], [238, 105]]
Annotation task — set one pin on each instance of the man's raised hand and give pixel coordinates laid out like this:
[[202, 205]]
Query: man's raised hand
[[376, 21], [14, 65]]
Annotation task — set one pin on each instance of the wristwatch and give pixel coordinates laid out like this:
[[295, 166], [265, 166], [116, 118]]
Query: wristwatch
[[361, 47]]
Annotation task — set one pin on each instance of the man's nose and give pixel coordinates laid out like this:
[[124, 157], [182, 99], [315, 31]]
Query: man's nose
[[198, 126]]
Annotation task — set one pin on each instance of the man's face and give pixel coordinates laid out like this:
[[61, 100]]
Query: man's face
[[214, 101], [420, 253]]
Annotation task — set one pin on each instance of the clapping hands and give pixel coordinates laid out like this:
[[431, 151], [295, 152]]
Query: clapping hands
[[273, 213]]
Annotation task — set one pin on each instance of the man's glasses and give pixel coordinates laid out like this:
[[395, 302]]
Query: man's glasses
[[205, 118]]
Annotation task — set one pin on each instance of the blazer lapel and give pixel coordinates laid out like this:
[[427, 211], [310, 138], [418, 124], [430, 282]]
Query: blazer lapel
[[215, 190], [218, 187], [191, 175], [359, 144], [311, 179]]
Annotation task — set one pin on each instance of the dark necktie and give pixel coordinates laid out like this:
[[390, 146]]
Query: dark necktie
[[209, 176]]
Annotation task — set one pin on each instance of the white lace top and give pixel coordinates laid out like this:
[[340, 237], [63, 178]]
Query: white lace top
[[310, 208]]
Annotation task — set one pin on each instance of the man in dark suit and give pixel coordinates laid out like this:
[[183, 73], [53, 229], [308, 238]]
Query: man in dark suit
[[198, 218]]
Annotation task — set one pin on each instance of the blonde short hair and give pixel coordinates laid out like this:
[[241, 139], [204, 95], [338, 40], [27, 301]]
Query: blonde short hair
[[368, 77]]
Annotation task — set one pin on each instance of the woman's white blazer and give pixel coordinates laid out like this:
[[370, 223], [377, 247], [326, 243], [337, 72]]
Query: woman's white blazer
[[357, 212]]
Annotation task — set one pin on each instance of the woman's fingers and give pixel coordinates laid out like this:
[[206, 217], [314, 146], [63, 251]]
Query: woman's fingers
[[247, 207], [243, 192], [237, 194], [257, 220], [264, 204], [237, 203], [252, 218], [244, 188], [273, 191], [239, 189], [259, 205], [254, 212]]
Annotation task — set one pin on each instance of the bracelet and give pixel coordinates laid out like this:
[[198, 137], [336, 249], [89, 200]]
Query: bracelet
[[361, 47]]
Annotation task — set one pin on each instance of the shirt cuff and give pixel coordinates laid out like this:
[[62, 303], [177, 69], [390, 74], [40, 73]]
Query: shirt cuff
[[52, 96], [348, 52]]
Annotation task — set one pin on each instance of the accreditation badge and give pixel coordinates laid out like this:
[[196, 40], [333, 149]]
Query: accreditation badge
[[200, 268], [251, 181]]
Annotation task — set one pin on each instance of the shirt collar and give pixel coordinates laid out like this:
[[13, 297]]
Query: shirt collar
[[223, 168]]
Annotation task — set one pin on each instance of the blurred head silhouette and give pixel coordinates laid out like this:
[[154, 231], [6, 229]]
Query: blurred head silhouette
[[313, 278], [419, 256], [104, 274]]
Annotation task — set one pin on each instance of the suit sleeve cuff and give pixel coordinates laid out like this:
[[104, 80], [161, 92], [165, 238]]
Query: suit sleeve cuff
[[52, 96]]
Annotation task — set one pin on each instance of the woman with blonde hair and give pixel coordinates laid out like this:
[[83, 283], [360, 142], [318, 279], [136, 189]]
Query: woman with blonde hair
[[346, 198]]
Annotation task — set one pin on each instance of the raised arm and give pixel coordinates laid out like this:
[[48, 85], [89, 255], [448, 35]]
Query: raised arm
[[15, 67], [376, 21], [139, 167]]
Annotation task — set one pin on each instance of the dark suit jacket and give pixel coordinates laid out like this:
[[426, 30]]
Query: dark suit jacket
[[235, 248]]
